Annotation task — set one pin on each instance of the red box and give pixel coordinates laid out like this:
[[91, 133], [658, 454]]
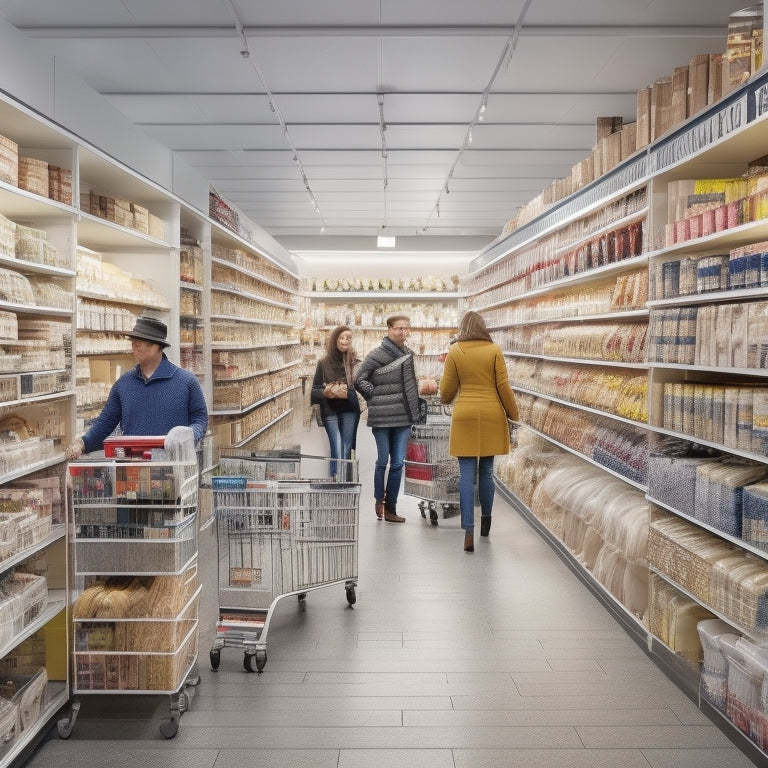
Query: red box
[[132, 447]]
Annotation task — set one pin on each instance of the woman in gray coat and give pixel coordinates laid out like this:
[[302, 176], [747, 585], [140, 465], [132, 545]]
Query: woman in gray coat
[[387, 381]]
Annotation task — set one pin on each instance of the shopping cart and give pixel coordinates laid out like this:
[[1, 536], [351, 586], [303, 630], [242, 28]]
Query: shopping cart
[[431, 473], [279, 533], [133, 537]]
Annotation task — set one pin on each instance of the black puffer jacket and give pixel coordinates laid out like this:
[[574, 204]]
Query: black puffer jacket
[[391, 390]]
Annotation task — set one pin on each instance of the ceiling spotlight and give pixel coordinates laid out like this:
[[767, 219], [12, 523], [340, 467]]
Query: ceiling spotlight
[[383, 241], [245, 53]]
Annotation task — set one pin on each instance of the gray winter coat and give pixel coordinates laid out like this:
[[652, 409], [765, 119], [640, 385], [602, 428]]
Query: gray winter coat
[[391, 391]]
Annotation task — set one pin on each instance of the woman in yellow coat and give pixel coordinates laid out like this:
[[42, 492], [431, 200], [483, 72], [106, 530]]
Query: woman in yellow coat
[[475, 380]]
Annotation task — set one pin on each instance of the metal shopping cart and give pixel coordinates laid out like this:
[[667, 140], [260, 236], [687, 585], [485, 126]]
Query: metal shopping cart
[[134, 622], [279, 533], [431, 473]]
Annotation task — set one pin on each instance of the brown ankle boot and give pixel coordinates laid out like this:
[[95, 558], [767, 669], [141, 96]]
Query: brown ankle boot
[[469, 541], [380, 509]]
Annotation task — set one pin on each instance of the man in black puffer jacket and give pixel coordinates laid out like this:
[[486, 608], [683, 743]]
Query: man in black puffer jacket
[[387, 381]]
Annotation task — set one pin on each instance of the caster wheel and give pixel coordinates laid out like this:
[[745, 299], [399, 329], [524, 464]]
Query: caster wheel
[[433, 516], [183, 703], [215, 655], [64, 728], [351, 596], [254, 662], [169, 729], [423, 509]]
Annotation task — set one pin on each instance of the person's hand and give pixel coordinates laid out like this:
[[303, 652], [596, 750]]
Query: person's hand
[[75, 451]]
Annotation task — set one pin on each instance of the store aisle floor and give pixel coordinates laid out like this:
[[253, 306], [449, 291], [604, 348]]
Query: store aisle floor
[[498, 659]]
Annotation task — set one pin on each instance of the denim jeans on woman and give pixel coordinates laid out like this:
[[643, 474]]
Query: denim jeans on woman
[[391, 443], [341, 429], [471, 467]]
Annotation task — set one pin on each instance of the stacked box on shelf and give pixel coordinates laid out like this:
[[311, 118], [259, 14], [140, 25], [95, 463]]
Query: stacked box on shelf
[[720, 492], [27, 693], [22, 597], [686, 554], [714, 670], [738, 590], [60, 184], [745, 705], [9, 721], [754, 522], [672, 476], [33, 175], [9, 161], [674, 617]]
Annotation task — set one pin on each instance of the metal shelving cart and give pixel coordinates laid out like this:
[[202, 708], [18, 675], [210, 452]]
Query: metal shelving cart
[[282, 530], [133, 536], [431, 473]]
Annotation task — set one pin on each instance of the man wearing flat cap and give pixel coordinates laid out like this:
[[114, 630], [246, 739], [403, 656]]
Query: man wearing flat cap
[[151, 398]]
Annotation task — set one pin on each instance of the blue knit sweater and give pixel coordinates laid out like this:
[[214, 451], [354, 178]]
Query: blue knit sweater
[[171, 398]]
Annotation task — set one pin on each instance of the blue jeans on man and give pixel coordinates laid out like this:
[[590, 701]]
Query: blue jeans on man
[[391, 443]]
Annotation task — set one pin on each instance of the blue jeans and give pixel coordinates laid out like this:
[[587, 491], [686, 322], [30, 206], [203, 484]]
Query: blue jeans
[[469, 468], [391, 443], [341, 429]]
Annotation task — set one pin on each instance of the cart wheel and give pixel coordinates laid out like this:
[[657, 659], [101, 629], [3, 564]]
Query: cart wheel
[[64, 727], [183, 702], [423, 508], [215, 658], [351, 596], [170, 728], [302, 598], [254, 662], [433, 516], [66, 724]]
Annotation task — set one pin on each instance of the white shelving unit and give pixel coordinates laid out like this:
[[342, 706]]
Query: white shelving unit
[[542, 311], [37, 404], [72, 345], [255, 325]]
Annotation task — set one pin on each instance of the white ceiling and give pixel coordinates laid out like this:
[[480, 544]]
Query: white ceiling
[[304, 104]]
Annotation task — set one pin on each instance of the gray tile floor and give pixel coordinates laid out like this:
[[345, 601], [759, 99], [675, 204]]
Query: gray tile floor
[[499, 659]]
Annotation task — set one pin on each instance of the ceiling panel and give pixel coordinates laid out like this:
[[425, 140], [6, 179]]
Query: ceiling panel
[[311, 85]]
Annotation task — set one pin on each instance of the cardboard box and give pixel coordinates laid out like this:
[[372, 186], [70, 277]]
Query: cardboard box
[[661, 106], [715, 83], [698, 83], [679, 110], [643, 129], [608, 125], [628, 140]]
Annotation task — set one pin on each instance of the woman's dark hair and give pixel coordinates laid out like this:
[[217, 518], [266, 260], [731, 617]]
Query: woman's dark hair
[[472, 328]]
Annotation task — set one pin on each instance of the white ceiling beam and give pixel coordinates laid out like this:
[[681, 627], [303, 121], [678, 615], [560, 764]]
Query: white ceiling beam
[[530, 30]]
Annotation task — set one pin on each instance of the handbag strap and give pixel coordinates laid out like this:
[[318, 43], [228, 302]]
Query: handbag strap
[[396, 363]]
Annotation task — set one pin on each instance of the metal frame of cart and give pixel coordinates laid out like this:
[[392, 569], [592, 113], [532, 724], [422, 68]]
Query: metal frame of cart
[[435, 480], [132, 522], [279, 533]]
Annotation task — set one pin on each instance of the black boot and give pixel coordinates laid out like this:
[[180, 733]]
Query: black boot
[[485, 525]]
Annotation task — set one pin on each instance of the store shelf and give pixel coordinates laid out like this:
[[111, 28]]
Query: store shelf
[[718, 143]]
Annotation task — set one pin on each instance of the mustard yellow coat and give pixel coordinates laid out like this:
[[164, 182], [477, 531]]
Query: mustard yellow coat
[[475, 380]]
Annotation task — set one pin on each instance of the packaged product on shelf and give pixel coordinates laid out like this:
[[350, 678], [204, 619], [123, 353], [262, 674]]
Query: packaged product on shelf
[[33, 175], [9, 161]]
